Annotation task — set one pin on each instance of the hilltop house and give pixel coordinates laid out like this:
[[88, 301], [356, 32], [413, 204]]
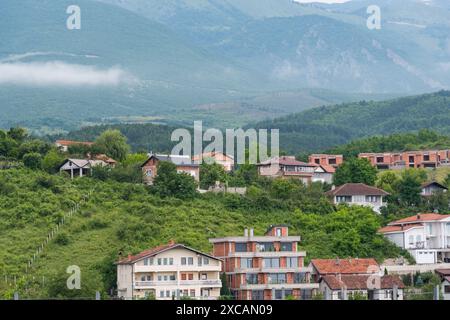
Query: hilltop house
[[169, 272], [81, 167], [430, 188], [287, 167], [184, 164], [64, 145], [268, 267], [426, 236], [339, 279], [226, 161], [359, 194]]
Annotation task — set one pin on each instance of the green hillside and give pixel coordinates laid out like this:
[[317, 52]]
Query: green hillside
[[322, 128], [125, 218]]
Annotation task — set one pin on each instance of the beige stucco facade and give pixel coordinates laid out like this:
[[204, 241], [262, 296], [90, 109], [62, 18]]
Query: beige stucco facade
[[171, 274]]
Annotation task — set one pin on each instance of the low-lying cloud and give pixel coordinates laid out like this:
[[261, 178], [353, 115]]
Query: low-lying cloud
[[58, 73]]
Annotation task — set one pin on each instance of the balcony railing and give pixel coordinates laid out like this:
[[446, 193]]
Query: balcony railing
[[179, 283]]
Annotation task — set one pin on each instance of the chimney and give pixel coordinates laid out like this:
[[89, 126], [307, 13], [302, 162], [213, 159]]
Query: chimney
[[418, 216], [337, 261], [338, 276], [171, 242], [333, 187], [129, 257], [245, 232], [252, 232]]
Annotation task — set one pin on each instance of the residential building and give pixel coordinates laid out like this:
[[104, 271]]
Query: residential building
[[444, 275], [226, 161], [374, 287], [170, 271], [408, 159], [268, 267], [80, 167], [359, 194], [350, 266], [184, 164], [287, 167], [64, 145], [339, 279], [334, 160], [430, 188], [323, 173], [426, 236]]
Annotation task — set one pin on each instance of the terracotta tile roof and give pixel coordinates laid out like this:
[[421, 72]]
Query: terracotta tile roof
[[419, 218], [154, 251], [356, 189], [325, 167], [361, 282], [70, 142], [443, 272], [344, 266], [388, 229]]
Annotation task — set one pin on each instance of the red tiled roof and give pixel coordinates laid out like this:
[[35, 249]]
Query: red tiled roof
[[388, 229], [361, 282], [154, 251], [70, 142], [344, 266], [326, 167], [419, 218], [356, 189], [443, 272]]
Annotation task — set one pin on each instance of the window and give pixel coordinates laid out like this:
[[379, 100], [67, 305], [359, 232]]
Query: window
[[332, 161], [448, 229], [203, 276], [159, 261], [430, 229], [192, 292], [317, 161], [271, 262], [411, 240], [426, 157], [205, 261], [279, 294], [150, 261], [278, 232], [190, 261], [257, 295], [380, 159], [171, 261], [200, 261], [371, 199], [145, 262], [246, 263], [161, 294], [300, 277], [241, 247], [286, 246], [190, 276], [165, 261], [167, 293], [339, 295], [251, 278], [149, 278], [172, 278], [276, 278], [159, 278], [447, 289], [266, 246], [166, 278], [183, 276], [341, 199], [142, 278], [183, 261], [292, 262]]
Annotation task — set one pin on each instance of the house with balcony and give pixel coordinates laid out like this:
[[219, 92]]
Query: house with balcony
[[268, 267], [358, 194], [426, 236], [287, 167], [167, 272], [340, 279]]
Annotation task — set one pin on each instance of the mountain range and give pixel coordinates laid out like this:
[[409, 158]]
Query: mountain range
[[227, 62]]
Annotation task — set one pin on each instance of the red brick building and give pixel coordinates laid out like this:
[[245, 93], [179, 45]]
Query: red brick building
[[408, 159], [268, 267], [334, 160]]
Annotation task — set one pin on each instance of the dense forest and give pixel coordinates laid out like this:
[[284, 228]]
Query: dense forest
[[322, 128]]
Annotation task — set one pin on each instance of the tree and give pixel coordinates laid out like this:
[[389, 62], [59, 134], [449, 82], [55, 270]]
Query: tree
[[284, 188], [113, 143], [409, 188], [210, 173], [52, 161], [32, 160], [169, 183], [355, 170], [447, 181], [17, 134], [387, 181]]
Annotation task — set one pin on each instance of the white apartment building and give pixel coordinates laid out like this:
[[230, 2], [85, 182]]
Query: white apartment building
[[425, 236], [167, 272], [359, 194]]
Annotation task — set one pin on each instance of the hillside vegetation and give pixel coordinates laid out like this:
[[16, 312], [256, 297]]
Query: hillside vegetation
[[126, 218], [322, 128]]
